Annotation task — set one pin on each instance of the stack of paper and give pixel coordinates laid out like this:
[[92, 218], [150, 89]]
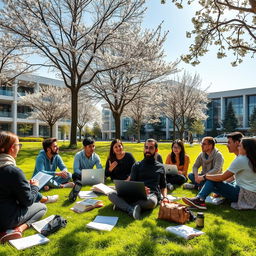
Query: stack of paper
[[102, 188], [184, 231], [87, 205], [29, 241], [105, 223], [87, 194]]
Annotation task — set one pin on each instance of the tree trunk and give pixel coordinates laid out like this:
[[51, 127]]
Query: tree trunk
[[74, 119], [51, 130], [174, 129], [80, 133], [117, 118], [138, 131]]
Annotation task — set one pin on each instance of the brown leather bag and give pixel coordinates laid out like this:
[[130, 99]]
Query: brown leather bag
[[174, 212]]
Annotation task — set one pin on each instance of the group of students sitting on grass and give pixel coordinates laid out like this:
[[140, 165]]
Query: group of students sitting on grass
[[21, 202]]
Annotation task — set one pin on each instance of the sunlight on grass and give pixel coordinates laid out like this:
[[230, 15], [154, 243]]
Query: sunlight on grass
[[227, 231]]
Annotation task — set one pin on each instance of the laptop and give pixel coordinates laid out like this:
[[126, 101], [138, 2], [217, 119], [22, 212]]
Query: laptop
[[93, 176], [171, 169], [133, 190]]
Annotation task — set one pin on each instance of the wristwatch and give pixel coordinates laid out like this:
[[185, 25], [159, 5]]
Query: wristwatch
[[204, 177]]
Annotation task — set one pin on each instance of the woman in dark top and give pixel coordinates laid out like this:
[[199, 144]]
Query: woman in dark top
[[17, 195], [119, 162]]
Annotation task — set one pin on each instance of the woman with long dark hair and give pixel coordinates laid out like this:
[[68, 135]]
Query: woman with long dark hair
[[17, 196], [119, 162], [179, 158], [242, 192]]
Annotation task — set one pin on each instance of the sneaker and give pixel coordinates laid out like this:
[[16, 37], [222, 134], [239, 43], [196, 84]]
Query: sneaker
[[68, 185], [196, 202], [189, 186], [170, 186], [52, 199], [10, 234], [136, 212]]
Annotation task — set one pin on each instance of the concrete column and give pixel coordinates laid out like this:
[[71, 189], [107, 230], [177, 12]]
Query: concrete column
[[55, 131], [14, 107], [222, 108], [36, 129]]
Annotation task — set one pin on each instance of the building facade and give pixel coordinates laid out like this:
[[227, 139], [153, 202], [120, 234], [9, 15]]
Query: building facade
[[243, 102], [15, 117]]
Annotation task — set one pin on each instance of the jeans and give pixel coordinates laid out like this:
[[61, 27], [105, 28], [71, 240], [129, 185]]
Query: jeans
[[56, 181], [225, 189], [122, 204], [191, 176]]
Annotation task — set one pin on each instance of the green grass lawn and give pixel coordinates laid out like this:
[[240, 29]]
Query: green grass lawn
[[227, 231]]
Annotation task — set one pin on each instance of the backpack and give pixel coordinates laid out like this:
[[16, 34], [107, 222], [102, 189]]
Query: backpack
[[54, 225]]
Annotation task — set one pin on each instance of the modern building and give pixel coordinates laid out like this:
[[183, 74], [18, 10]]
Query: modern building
[[15, 117], [243, 102]]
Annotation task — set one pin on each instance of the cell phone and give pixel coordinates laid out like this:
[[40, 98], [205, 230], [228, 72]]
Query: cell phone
[[74, 192]]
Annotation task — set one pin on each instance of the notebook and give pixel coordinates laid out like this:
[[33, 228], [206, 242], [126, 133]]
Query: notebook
[[171, 169], [184, 231], [29, 241], [42, 178], [134, 190], [93, 176], [39, 225], [105, 223]]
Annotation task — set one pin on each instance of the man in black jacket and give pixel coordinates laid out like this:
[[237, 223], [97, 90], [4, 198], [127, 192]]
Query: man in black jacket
[[152, 173]]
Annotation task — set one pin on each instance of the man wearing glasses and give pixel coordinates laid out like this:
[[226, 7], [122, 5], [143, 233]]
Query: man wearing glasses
[[48, 160], [211, 161], [152, 173]]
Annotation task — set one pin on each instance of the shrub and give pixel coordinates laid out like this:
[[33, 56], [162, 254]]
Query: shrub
[[31, 139]]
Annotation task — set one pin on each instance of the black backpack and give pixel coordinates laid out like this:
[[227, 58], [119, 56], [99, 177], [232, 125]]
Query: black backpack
[[54, 225]]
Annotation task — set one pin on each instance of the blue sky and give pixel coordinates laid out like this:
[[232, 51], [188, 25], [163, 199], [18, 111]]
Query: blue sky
[[216, 73]]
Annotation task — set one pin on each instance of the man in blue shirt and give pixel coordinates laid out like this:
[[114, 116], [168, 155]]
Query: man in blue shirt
[[48, 160], [85, 159]]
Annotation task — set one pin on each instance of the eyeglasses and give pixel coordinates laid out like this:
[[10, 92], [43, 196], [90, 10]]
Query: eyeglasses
[[204, 144], [18, 144]]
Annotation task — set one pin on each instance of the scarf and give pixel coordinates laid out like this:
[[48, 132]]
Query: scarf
[[6, 159]]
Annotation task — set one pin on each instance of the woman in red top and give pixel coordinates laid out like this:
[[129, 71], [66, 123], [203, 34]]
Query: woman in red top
[[179, 158]]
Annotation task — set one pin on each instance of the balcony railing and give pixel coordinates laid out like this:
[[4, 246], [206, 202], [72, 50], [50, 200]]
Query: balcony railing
[[5, 114], [6, 92], [23, 115]]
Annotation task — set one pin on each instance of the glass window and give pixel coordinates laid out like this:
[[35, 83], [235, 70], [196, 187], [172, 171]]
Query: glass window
[[5, 110], [44, 131], [5, 127], [22, 90], [23, 111], [6, 90], [25, 130], [237, 104], [251, 105], [214, 114]]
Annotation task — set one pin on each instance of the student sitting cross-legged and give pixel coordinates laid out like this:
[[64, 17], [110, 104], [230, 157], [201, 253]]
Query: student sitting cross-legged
[[243, 190], [152, 173], [19, 199]]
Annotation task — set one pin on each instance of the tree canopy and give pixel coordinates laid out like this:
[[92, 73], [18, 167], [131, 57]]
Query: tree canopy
[[230, 25]]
